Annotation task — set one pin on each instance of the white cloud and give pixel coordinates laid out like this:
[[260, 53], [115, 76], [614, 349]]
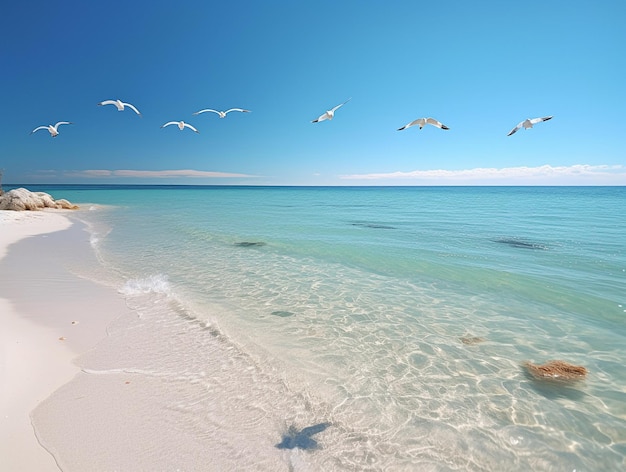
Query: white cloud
[[153, 174], [92, 173], [578, 174]]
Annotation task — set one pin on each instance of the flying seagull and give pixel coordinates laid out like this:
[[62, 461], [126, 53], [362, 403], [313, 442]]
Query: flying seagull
[[120, 105], [423, 122], [528, 123], [53, 129], [222, 114], [181, 125], [330, 113]]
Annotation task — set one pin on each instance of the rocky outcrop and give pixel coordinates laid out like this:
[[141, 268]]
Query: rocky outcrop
[[21, 199]]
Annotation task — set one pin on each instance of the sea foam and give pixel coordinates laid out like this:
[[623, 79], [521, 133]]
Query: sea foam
[[157, 283]]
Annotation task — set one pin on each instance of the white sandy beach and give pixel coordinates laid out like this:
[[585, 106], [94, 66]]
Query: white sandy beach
[[49, 315]]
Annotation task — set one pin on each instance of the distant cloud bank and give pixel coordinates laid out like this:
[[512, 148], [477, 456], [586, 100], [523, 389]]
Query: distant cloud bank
[[152, 174], [579, 174]]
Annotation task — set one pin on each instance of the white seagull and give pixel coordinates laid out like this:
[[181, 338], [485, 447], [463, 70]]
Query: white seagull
[[528, 123], [330, 113], [423, 122], [181, 125], [53, 129], [222, 114], [120, 105]]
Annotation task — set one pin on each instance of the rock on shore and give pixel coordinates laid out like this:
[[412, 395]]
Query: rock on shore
[[20, 199]]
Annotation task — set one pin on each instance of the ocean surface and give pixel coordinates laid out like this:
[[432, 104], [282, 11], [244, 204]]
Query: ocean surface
[[397, 318]]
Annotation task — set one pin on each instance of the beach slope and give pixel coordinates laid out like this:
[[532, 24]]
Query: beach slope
[[49, 315]]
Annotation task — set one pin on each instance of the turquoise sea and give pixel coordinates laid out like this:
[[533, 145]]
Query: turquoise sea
[[261, 311]]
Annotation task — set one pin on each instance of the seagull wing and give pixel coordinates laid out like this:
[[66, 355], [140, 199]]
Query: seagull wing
[[321, 118], [170, 123], [520, 124], [539, 120], [438, 124], [131, 107], [205, 110], [191, 127], [237, 109], [339, 106], [108, 102], [62, 123], [38, 128], [419, 121]]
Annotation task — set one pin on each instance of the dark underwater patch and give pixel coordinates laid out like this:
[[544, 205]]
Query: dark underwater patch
[[365, 224], [283, 314], [250, 244], [520, 243], [301, 439], [471, 340]]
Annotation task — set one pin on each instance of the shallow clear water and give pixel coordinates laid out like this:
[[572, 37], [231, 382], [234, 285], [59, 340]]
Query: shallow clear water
[[262, 308]]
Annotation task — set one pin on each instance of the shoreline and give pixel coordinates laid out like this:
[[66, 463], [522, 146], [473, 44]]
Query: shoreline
[[49, 316]]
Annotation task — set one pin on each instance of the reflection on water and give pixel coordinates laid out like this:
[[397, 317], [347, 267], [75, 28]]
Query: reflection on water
[[410, 341]]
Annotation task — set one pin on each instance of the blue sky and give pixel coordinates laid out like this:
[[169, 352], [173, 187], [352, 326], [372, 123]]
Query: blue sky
[[478, 67]]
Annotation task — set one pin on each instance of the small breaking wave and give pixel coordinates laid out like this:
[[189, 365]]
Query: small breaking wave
[[158, 283], [94, 240]]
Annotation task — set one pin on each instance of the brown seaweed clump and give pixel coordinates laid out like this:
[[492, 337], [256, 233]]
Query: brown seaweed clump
[[471, 340], [559, 371]]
